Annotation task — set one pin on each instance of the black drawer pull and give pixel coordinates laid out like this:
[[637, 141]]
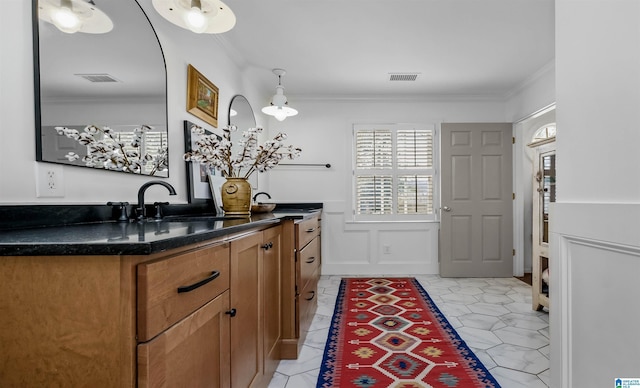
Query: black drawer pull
[[231, 313], [201, 283], [311, 260], [313, 295], [267, 246], [311, 230]]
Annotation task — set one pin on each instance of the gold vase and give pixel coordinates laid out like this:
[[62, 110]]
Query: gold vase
[[236, 196]]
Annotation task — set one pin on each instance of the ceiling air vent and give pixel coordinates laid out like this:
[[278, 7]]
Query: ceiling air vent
[[403, 76], [98, 77]]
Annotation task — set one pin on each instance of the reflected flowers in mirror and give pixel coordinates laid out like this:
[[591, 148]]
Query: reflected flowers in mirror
[[250, 157], [109, 150]]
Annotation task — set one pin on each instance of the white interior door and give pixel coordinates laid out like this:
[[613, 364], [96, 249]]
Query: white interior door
[[476, 224]]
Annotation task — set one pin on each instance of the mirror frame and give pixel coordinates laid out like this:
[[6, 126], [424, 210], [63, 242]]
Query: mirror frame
[[37, 88], [253, 179], [238, 97]]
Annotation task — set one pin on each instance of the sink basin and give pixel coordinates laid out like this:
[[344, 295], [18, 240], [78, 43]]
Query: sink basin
[[198, 217], [262, 207]]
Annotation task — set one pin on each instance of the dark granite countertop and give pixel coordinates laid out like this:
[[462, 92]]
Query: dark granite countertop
[[135, 238]]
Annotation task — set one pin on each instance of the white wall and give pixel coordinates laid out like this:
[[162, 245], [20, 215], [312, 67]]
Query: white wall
[[323, 129], [83, 185], [595, 227]]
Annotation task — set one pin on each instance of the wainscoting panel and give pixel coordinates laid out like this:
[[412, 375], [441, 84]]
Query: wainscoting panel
[[594, 307], [372, 248]]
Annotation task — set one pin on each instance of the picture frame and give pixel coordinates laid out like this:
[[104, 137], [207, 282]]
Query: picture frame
[[198, 188], [202, 97]]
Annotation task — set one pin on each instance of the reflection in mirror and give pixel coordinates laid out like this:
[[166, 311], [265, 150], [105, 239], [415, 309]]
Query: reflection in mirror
[[101, 80], [241, 115]]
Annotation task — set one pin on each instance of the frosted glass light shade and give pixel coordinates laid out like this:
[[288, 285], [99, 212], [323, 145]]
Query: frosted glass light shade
[[213, 16], [72, 16], [279, 112], [278, 107]]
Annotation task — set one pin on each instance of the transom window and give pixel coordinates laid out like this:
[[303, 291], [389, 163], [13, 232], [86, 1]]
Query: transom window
[[545, 132], [393, 172]]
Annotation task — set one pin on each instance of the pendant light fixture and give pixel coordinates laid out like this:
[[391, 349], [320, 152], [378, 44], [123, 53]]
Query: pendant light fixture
[[71, 16], [279, 106], [199, 16]]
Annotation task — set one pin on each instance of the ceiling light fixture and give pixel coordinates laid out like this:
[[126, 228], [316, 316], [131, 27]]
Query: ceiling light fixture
[[279, 106], [199, 16], [71, 16]]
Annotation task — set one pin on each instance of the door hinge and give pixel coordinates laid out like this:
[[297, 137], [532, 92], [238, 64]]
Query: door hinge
[[514, 252], [513, 140], [513, 195]]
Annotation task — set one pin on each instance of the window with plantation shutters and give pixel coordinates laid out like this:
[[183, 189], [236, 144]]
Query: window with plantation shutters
[[153, 142], [393, 172]]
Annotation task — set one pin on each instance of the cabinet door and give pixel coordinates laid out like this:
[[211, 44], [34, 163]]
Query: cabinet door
[[272, 269], [246, 329], [194, 352]]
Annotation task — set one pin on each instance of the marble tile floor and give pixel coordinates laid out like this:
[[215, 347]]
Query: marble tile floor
[[493, 316]]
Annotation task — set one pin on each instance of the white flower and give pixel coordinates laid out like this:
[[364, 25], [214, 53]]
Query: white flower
[[251, 157], [106, 150], [72, 156]]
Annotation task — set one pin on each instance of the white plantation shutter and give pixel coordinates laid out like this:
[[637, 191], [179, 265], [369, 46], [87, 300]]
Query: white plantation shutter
[[374, 194], [415, 194], [152, 143], [415, 148], [374, 149], [394, 171]]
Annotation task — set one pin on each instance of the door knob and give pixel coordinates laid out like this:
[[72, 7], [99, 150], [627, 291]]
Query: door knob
[[446, 208]]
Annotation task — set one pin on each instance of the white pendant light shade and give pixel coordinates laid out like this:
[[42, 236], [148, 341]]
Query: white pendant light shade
[[73, 16], [199, 16], [278, 107]]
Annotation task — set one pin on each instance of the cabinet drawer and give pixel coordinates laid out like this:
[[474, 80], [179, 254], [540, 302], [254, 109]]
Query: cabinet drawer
[[306, 231], [309, 258], [172, 288]]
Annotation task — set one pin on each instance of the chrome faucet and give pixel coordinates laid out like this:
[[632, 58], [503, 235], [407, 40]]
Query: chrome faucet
[[141, 211]]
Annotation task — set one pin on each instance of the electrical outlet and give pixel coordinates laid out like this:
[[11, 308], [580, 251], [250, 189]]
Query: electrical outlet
[[49, 180]]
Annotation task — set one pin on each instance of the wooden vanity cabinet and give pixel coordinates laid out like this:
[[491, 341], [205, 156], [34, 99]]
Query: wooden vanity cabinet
[[159, 320], [301, 271], [67, 321]]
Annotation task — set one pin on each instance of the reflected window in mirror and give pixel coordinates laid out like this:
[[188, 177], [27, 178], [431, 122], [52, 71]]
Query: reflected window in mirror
[[86, 79]]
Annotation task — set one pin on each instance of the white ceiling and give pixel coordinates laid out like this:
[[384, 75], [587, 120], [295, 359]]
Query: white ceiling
[[345, 48], [349, 47]]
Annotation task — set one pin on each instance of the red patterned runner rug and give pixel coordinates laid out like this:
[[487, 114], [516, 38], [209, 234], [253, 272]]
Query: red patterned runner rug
[[387, 332]]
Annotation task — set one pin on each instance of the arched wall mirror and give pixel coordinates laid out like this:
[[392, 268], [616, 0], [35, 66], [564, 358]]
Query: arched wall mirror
[[241, 115], [116, 79]]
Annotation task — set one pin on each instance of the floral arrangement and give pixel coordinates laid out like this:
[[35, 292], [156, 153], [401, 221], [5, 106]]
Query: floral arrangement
[[106, 150], [251, 157]]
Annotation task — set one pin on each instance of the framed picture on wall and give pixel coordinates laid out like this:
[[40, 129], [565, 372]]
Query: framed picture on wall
[[197, 174], [202, 97]]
